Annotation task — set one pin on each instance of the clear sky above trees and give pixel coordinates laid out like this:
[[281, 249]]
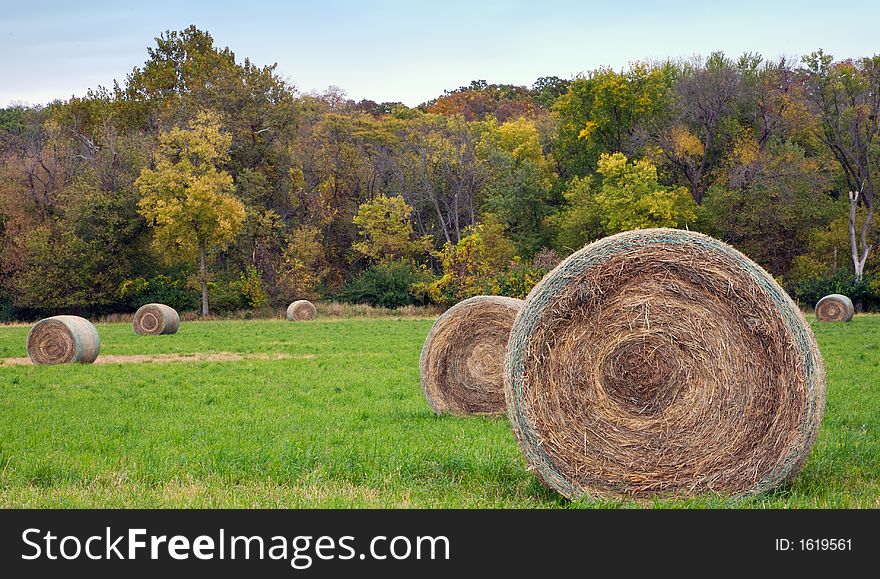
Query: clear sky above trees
[[410, 51]]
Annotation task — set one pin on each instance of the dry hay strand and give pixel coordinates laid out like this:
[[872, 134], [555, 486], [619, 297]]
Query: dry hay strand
[[301, 311], [155, 320], [63, 340], [663, 363], [834, 308], [462, 360]]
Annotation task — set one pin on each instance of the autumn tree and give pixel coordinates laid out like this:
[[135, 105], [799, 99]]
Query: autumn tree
[[441, 174], [773, 103], [471, 265], [702, 125], [69, 208], [386, 231], [768, 200], [623, 105], [187, 196], [547, 89], [620, 196], [607, 111], [846, 98], [342, 161], [517, 192], [303, 266], [480, 99]]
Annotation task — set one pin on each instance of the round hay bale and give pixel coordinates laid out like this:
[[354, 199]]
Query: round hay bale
[[462, 361], [834, 308], [301, 311], [156, 319], [662, 362], [63, 340]]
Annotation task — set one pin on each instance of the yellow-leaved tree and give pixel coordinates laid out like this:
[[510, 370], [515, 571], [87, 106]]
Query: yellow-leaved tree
[[385, 226], [187, 196], [631, 197], [620, 196]]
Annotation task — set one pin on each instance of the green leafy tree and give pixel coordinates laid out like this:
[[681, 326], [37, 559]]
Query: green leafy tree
[[623, 102], [387, 285], [547, 89], [518, 190], [251, 286], [63, 271], [303, 267], [619, 197], [472, 266], [631, 197], [579, 221], [610, 112], [386, 228], [186, 197], [768, 202]]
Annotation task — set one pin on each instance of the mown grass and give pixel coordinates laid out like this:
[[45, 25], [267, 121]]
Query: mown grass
[[348, 427]]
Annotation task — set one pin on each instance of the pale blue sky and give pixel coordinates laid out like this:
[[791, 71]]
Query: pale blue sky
[[410, 51]]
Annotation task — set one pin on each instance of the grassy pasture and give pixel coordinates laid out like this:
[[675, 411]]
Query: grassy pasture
[[339, 422]]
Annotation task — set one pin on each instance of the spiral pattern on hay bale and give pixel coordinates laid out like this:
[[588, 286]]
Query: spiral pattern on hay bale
[[156, 319], [63, 340], [834, 308], [301, 310], [462, 360], [662, 362]]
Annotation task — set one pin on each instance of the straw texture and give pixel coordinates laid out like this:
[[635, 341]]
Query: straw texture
[[462, 360], [156, 319], [662, 362], [834, 308], [63, 340], [301, 310]]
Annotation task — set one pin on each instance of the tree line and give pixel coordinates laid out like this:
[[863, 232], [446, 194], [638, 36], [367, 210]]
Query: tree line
[[207, 181]]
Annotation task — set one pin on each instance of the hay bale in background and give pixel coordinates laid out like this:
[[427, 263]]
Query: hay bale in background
[[662, 363], [63, 340], [301, 310], [834, 308], [156, 319], [462, 360]]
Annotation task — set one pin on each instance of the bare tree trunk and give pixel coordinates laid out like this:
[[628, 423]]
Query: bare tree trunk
[[440, 219], [853, 244], [859, 247], [455, 212], [203, 276]]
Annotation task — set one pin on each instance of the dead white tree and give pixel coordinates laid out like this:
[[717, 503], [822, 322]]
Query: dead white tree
[[858, 243]]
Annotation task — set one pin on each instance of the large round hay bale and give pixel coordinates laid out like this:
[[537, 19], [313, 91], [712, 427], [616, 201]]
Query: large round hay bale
[[834, 308], [63, 340], [301, 310], [462, 360], [662, 362], [156, 319]]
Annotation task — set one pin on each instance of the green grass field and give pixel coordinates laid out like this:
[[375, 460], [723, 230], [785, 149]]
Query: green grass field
[[340, 422]]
